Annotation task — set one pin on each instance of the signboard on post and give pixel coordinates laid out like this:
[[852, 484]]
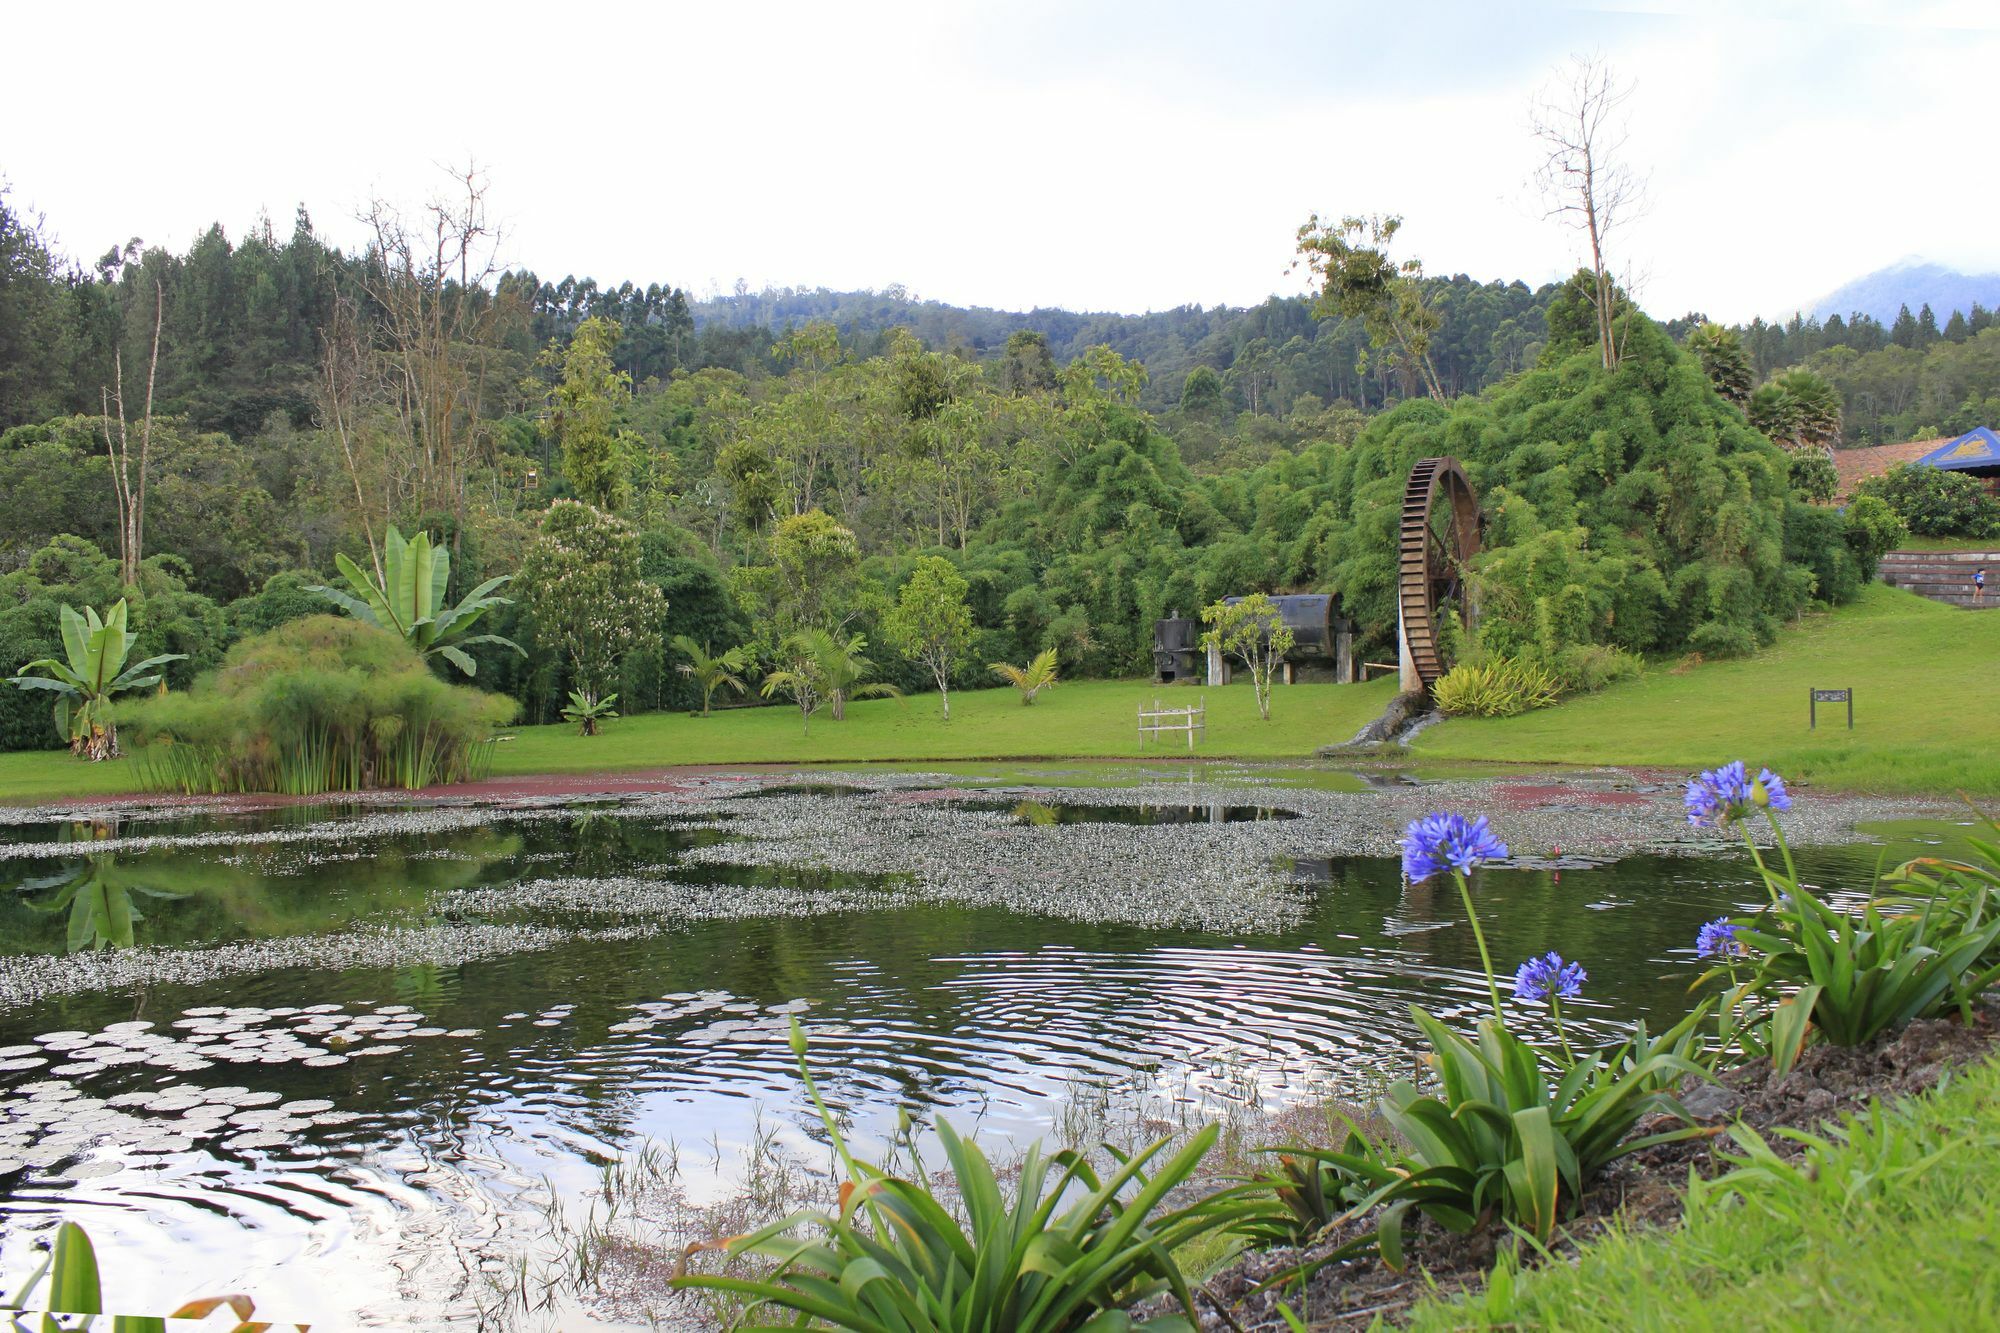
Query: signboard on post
[[1829, 697]]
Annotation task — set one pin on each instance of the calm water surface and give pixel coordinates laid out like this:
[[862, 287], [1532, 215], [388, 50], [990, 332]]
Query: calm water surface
[[370, 1146]]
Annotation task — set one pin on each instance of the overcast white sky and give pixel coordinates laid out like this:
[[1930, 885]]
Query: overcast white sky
[[1032, 152]]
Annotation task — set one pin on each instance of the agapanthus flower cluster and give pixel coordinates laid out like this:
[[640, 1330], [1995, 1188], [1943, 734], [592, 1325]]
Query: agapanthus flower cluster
[[1446, 841], [1717, 939], [1549, 978], [1724, 795]]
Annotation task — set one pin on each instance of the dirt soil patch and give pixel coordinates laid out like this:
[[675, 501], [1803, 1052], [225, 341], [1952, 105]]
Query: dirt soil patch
[[1645, 1189]]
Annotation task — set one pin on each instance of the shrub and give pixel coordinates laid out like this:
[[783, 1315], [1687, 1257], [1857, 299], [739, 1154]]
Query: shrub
[[319, 704], [1500, 687], [1720, 639], [1813, 475], [1936, 503], [1586, 668], [1873, 530]]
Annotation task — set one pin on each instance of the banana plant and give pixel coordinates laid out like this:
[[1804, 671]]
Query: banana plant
[[408, 600], [96, 648], [587, 709]]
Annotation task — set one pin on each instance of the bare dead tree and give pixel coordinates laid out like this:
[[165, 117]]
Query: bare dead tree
[[1580, 122], [128, 490], [344, 392], [431, 281]]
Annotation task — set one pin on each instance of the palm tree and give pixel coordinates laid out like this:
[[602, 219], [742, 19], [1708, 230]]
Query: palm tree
[[846, 670], [1032, 679], [711, 671], [816, 669], [1722, 359], [95, 671]]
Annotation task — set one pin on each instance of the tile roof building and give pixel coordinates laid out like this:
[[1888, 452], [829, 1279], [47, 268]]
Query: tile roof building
[[1858, 465]]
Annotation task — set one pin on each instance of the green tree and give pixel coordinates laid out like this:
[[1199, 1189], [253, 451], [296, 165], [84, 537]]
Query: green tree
[[1720, 353], [1251, 630], [585, 593], [1903, 332], [931, 623], [816, 669], [1349, 261], [581, 411], [844, 667], [817, 562]]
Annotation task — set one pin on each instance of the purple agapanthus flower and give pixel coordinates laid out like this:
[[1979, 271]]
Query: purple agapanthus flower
[[1724, 795], [1775, 794], [1717, 939], [1549, 978], [1448, 841], [1718, 796]]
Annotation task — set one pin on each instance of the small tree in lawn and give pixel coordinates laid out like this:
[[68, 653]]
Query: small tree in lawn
[[1031, 679], [711, 671], [930, 622], [582, 585], [799, 675], [1252, 630]]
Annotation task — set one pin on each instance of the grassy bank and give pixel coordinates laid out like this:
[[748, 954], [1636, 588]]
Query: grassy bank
[[1926, 718], [1892, 1228], [1079, 720]]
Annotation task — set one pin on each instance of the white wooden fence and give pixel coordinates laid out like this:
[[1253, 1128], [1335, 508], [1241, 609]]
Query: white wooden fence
[[1155, 720]]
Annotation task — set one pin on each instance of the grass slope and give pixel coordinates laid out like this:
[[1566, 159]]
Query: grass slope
[[1926, 710], [1891, 1227], [1079, 720]]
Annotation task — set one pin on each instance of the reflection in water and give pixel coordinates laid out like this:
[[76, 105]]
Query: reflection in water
[[94, 897], [98, 898], [361, 1145]]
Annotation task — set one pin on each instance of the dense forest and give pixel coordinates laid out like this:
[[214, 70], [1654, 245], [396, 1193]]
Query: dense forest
[[785, 460]]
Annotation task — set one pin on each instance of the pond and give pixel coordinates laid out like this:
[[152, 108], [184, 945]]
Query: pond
[[350, 1058]]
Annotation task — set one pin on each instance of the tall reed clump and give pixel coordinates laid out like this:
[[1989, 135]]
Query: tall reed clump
[[320, 704]]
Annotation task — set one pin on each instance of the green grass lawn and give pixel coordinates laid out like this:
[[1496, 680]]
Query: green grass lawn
[[1926, 709], [1891, 1229], [1916, 543], [1078, 720], [1927, 719], [1083, 719]]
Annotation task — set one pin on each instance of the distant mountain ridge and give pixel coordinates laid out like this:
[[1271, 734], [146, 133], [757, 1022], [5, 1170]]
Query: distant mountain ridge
[[1912, 282]]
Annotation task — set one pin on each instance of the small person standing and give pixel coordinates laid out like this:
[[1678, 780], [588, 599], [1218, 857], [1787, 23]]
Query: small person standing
[[1979, 584]]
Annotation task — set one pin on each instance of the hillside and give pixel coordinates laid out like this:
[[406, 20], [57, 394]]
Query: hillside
[[1920, 724], [1913, 282]]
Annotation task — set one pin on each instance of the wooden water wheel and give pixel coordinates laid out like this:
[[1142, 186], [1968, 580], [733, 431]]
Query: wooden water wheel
[[1440, 535]]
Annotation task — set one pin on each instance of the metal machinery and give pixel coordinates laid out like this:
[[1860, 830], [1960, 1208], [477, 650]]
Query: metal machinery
[[1322, 643], [1439, 538], [1177, 654]]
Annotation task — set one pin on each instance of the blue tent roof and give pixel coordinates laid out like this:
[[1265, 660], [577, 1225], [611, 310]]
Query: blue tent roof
[[1976, 450]]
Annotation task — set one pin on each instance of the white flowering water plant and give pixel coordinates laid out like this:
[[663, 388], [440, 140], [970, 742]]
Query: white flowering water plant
[[1844, 977]]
